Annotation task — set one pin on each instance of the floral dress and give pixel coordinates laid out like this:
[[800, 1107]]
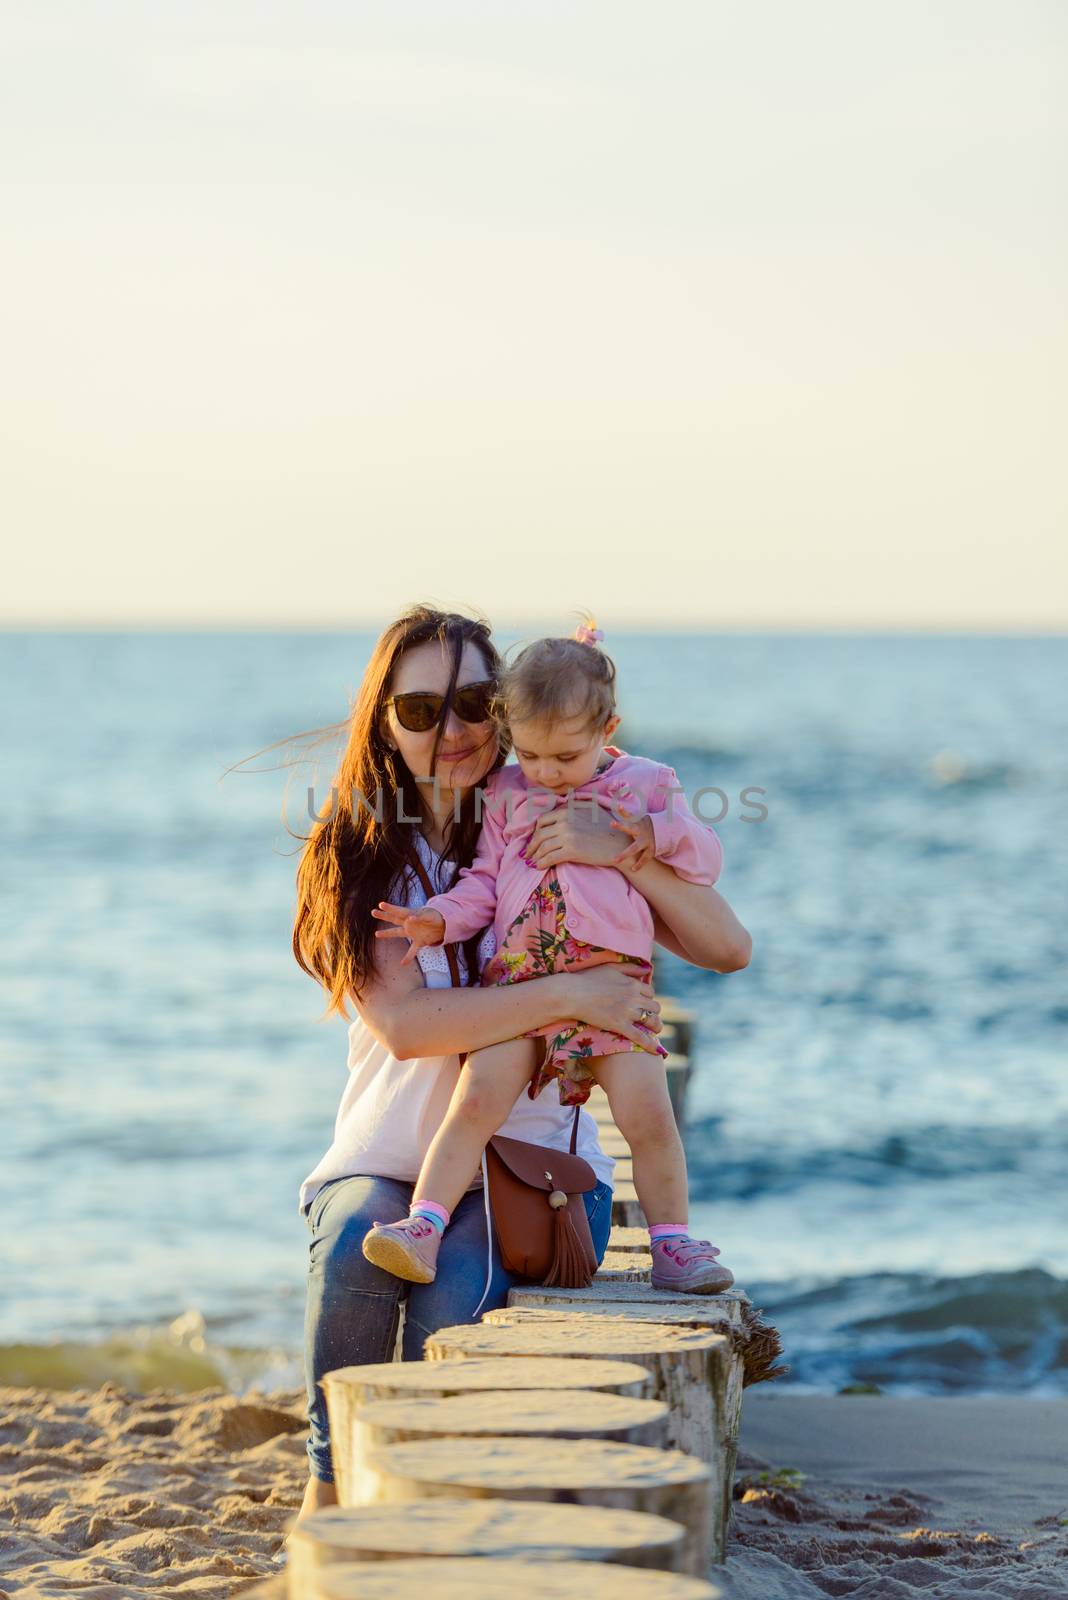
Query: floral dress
[[536, 944]]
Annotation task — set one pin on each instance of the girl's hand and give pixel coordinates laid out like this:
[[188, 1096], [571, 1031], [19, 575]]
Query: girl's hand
[[617, 998], [420, 927], [642, 847], [573, 835]]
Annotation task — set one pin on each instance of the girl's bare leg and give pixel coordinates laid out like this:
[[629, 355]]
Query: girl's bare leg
[[636, 1086], [489, 1085]]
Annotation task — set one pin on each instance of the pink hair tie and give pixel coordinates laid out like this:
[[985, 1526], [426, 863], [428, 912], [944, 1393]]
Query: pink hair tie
[[586, 635]]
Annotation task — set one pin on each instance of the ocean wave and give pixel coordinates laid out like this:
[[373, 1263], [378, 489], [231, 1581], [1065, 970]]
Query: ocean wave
[[938, 1151], [898, 1333], [916, 1333], [179, 1356]]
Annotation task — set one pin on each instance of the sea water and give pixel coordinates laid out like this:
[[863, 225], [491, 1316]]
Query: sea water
[[878, 1111]]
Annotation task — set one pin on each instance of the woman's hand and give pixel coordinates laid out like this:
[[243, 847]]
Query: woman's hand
[[618, 998], [422, 927], [573, 833]]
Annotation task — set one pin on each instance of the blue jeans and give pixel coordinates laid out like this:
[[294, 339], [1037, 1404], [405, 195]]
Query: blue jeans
[[353, 1308]]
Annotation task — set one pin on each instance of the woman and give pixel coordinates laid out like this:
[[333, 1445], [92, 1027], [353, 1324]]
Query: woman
[[420, 743]]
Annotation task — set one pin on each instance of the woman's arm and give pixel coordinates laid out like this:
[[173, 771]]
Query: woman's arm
[[692, 919], [413, 1020]]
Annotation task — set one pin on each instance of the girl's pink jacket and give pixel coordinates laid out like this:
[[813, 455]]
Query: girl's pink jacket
[[603, 907]]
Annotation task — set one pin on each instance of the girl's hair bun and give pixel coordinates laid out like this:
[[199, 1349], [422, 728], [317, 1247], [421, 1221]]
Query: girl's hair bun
[[561, 678]]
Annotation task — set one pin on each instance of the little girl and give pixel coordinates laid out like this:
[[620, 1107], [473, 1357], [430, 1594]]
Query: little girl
[[559, 701]]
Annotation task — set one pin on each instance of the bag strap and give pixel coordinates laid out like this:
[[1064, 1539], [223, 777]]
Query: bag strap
[[454, 978]]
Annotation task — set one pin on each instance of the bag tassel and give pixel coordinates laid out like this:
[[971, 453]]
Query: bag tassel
[[569, 1268]]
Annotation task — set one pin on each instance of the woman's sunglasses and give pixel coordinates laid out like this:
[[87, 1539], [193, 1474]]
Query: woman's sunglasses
[[420, 712]]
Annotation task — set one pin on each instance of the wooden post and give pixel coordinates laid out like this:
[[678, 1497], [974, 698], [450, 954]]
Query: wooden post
[[572, 1414], [712, 1317], [624, 1266], [576, 1414], [678, 1078], [629, 1239], [401, 1380], [474, 1579], [348, 1388], [502, 1529], [678, 1026], [626, 1212], [587, 1472], [695, 1371], [684, 1365], [537, 1306], [727, 1307], [757, 1342]]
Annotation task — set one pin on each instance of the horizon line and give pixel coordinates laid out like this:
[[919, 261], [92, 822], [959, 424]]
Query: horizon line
[[980, 629]]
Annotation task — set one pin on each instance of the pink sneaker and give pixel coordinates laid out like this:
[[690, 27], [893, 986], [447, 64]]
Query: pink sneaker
[[408, 1249], [689, 1266]]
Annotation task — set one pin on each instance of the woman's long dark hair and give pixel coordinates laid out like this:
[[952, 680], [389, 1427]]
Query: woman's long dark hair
[[352, 858]]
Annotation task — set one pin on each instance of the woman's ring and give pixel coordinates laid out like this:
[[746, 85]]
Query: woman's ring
[[643, 1014]]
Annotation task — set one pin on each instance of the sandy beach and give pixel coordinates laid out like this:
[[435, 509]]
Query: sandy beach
[[884, 1498], [112, 1495]]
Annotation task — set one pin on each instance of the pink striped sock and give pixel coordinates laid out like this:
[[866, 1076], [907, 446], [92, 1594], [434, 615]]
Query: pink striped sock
[[432, 1212], [668, 1230]]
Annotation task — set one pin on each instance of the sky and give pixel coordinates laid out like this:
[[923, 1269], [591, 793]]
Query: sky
[[706, 315]]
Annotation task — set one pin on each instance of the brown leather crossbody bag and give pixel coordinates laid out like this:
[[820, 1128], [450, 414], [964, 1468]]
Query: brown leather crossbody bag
[[535, 1195]]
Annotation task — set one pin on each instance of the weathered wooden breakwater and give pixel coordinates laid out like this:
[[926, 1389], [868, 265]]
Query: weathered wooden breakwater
[[577, 1443]]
